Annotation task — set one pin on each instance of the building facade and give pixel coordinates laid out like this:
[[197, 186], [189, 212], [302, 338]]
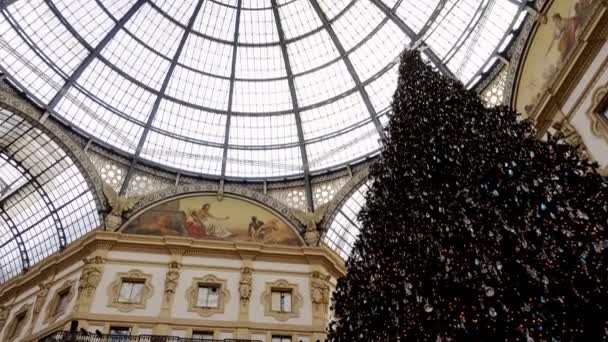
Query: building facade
[[260, 283]]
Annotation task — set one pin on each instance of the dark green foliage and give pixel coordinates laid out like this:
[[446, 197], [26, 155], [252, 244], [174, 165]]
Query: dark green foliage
[[474, 230]]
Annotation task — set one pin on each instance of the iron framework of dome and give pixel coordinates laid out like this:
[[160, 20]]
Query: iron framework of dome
[[239, 89]]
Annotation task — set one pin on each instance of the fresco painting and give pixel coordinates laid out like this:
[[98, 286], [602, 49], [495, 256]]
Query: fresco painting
[[206, 217], [551, 47]]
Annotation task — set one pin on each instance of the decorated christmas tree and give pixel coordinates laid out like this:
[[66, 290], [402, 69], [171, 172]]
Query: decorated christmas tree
[[474, 229]]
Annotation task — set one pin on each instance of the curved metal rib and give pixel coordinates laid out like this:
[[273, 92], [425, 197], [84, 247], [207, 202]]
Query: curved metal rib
[[296, 107]]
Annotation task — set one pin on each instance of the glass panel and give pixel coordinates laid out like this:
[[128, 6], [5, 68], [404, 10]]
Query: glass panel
[[131, 292], [208, 297], [281, 301]]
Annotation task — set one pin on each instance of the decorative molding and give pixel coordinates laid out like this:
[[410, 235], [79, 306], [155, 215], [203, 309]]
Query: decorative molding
[[518, 50], [13, 331], [599, 124], [53, 311], [296, 300], [192, 295], [116, 285]]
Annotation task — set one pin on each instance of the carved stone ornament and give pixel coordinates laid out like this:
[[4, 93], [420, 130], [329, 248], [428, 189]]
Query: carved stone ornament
[[118, 206], [53, 309], [568, 133], [4, 311], [171, 279], [296, 300], [40, 298], [14, 329], [311, 221], [599, 123], [133, 276], [90, 276], [319, 293], [193, 290], [245, 284]]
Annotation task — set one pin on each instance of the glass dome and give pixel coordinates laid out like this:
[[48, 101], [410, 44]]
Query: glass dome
[[256, 89]]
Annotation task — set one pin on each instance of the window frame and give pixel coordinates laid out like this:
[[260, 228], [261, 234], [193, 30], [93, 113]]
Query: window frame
[[281, 291], [192, 295], [132, 282], [53, 310], [282, 285], [130, 276], [14, 329]]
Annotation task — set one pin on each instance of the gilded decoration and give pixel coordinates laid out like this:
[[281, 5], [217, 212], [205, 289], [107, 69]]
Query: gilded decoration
[[296, 300], [319, 293], [54, 310], [15, 326], [193, 292], [203, 216], [130, 276], [599, 122]]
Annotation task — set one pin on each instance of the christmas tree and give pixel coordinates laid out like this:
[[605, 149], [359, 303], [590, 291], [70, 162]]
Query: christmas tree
[[474, 229]]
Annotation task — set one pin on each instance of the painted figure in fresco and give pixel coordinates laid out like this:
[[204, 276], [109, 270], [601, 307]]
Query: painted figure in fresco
[[567, 28], [214, 229], [254, 226], [193, 226]]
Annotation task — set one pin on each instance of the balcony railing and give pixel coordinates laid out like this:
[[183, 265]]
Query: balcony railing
[[66, 336]]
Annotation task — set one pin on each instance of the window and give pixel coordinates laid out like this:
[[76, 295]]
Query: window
[[208, 296], [202, 335], [15, 329], [63, 298], [281, 339], [131, 291], [281, 300]]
